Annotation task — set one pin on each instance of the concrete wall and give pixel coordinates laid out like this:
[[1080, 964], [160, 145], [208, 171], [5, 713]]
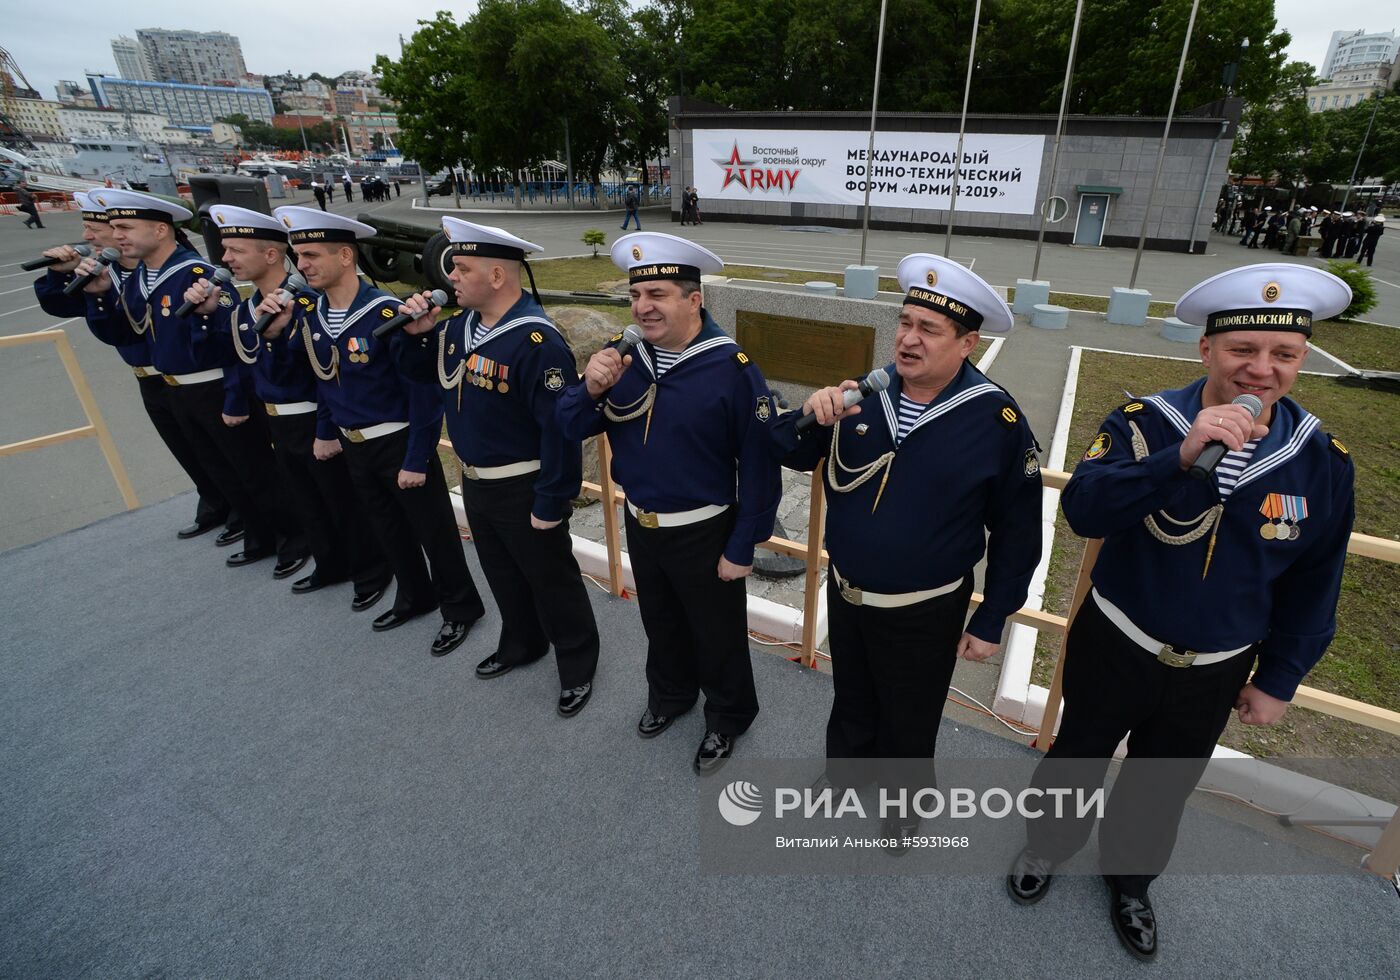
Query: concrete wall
[[1096, 151]]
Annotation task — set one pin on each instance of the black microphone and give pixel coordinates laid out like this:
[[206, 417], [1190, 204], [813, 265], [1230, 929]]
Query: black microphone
[[108, 256], [1214, 452], [873, 383], [295, 284], [438, 298], [222, 279], [631, 337], [44, 261]]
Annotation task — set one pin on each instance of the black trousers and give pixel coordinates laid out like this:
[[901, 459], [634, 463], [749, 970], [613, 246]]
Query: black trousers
[[326, 506], [239, 460], [534, 579], [1113, 688], [890, 671], [411, 524], [1368, 251], [696, 623], [212, 507]]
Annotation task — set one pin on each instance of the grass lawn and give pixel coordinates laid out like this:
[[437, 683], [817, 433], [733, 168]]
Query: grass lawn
[[1365, 346], [1363, 662]]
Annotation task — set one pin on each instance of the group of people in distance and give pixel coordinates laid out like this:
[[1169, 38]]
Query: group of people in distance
[[347, 388]]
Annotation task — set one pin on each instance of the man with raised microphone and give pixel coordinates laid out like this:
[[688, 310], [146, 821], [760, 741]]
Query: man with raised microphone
[[922, 480], [1200, 582], [57, 298], [148, 307], [388, 425], [687, 415], [499, 367], [255, 250]]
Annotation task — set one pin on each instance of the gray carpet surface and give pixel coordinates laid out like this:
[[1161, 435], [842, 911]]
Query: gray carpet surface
[[205, 776]]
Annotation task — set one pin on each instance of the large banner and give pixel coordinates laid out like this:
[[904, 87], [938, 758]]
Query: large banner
[[999, 172]]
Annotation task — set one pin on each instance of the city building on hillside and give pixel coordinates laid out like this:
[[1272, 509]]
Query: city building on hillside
[[1355, 84], [1350, 49], [131, 59], [192, 57], [36, 117], [186, 106]]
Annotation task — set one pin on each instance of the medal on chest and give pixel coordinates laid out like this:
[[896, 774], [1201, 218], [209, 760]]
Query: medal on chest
[[1282, 513]]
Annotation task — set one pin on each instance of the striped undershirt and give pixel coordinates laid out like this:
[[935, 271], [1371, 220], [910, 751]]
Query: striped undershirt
[[151, 276], [909, 413], [335, 318], [478, 332], [664, 359], [1232, 464]]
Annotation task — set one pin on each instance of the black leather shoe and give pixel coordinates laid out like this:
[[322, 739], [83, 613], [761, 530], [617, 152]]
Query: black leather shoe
[[393, 619], [364, 600], [229, 536], [714, 749], [283, 569], [449, 638], [195, 530], [1029, 878], [491, 667], [572, 700], [652, 725], [1134, 921], [245, 558], [313, 583]]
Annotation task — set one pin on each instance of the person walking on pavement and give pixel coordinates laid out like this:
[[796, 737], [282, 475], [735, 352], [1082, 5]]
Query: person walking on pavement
[[29, 206], [630, 201]]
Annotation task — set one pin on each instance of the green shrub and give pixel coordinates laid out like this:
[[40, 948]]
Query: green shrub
[[595, 238], [1363, 290]]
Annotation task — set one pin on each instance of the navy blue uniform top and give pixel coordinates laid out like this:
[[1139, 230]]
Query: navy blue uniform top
[[708, 440], [500, 408], [277, 369], [179, 345], [366, 386], [965, 481], [1280, 593], [48, 288]]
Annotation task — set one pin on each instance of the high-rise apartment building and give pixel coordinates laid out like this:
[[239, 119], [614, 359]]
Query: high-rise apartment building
[[192, 57], [1349, 49], [131, 59]]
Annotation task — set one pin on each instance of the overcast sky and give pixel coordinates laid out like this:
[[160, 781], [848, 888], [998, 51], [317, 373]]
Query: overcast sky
[[57, 40]]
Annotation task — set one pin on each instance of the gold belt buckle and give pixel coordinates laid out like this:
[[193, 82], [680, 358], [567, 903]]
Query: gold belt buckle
[[1172, 658], [647, 518], [170, 380], [354, 435], [471, 473]]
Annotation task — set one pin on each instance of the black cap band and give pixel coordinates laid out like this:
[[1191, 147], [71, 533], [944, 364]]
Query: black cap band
[[663, 270], [253, 231], [142, 214], [1290, 320], [487, 250], [101, 216], [949, 307], [339, 236]]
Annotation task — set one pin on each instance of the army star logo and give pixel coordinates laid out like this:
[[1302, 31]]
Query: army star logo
[[553, 379], [762, 411], [1099, 447]]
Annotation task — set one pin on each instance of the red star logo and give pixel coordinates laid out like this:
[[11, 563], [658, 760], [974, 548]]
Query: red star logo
[[734, 169]]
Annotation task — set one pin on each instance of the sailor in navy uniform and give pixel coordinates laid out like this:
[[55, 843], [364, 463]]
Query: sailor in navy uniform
[[284, 399], [389, 426], [921, 482], [499, 366], [687, 415], [1200, 581], [147, 306], [212, 509]]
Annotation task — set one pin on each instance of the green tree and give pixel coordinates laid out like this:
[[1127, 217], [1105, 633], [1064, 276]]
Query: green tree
[[1278, 136], [432, 82], [736, 52], [1340, 132]]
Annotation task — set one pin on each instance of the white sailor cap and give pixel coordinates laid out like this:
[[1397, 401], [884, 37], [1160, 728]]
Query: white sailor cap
[[92, 211], [133, 204], [1379, 219], [242, 223], [1267, 296], [485, 240], [1268, 208], [646, 255], [1313, 208], [954, 290], [309, 225]]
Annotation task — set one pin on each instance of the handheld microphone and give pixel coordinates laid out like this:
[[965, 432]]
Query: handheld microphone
[[631, 337], [222, 279], [108, 256], [1214, 452], [872, 384], [44, 261], [438, 298], [295, 284]]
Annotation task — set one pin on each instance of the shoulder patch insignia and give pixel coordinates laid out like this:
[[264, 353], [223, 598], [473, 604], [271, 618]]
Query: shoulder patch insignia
[[762, 411], [1099, 447], [198, 270], [741, 359], [1008, 415], [1337, 447], [614, 338], [387, 313], [553, 378], [536, 337], [306, 303], [225, 299], [1032, 467], [1132, 407]]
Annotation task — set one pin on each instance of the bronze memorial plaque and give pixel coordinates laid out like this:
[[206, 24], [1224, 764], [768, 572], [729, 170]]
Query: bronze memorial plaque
[[809, 352]]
